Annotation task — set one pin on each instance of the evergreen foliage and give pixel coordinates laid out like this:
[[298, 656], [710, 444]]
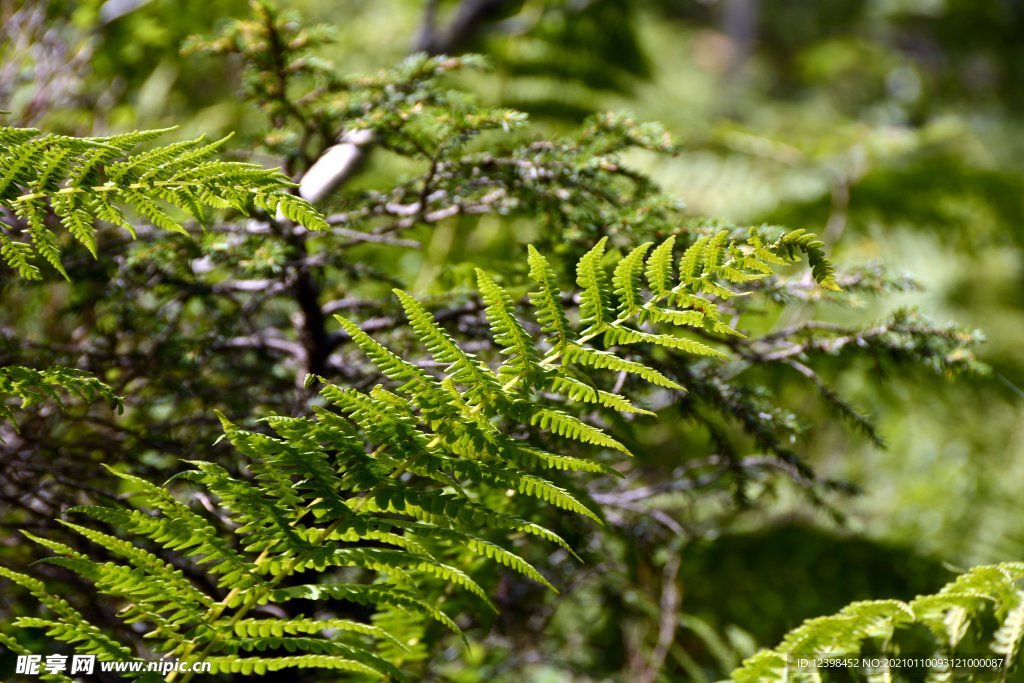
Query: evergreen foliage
[[21, 387]]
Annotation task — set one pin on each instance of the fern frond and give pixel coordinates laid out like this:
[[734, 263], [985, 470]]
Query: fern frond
[[462, 366], [762, 667], [18, 255], [81, 180], [173, 586], [179, 529], [813, 248], [572, 427], [533, 457], [875, 627], [603, 360], [483, 548], [581, 391], [259, 666], [17, 648], [404, 490], [595, 293], [626, 280], [713, 255], [367, 595], [1007, 639], [74, 628], [618, 336], [548, 301], [659, 268], [508, 332], [692, 261]]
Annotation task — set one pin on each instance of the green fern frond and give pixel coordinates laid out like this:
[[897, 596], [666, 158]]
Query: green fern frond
[[259, 666], [692, 261], [482, 548], [715, 249], [17, 648], [691, 318], [18, 255], [595, 300], [547, 301], [509, 334], [405, 490], [659, 269], [626, 280], [173, 585], [463, 367], [572, 427], [73, 627], [82, 180], [1007, 639], [618, 336], [603, 360], [813, 248], [762, 667], [875, 627], [533, 457], [578, 390], [367, 595]]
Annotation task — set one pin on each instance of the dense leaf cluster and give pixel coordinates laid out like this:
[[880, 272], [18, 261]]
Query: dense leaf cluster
[[406, 486], [441, 473]]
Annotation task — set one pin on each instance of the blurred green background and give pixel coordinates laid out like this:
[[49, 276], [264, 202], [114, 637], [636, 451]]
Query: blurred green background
[[891, 127]]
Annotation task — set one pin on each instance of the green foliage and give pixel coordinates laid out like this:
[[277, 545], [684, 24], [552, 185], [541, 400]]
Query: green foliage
[[409, 488], [575, 51], [82, 180], [440, 482], [958, 620], [22, 387]]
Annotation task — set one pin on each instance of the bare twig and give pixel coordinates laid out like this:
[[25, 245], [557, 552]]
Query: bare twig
[[357, 236], [669, 622]]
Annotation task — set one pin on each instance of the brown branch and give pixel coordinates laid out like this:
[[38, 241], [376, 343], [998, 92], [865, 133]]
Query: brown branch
[[471, 16], [669, 622]]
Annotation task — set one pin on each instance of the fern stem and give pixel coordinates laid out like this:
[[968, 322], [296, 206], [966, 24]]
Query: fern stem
[[110, 187], [217, 610], [245, 607]]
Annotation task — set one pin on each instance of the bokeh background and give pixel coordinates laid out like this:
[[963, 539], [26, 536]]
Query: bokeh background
[[893, 128]]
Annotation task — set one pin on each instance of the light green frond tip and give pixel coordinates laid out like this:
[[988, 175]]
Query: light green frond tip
[[801, 240], [595, 292], [547, 301], [22, 387], [626, 280], [660, 269]]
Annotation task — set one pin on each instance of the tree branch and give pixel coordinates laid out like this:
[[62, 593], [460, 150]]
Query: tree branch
[[468, 20]]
